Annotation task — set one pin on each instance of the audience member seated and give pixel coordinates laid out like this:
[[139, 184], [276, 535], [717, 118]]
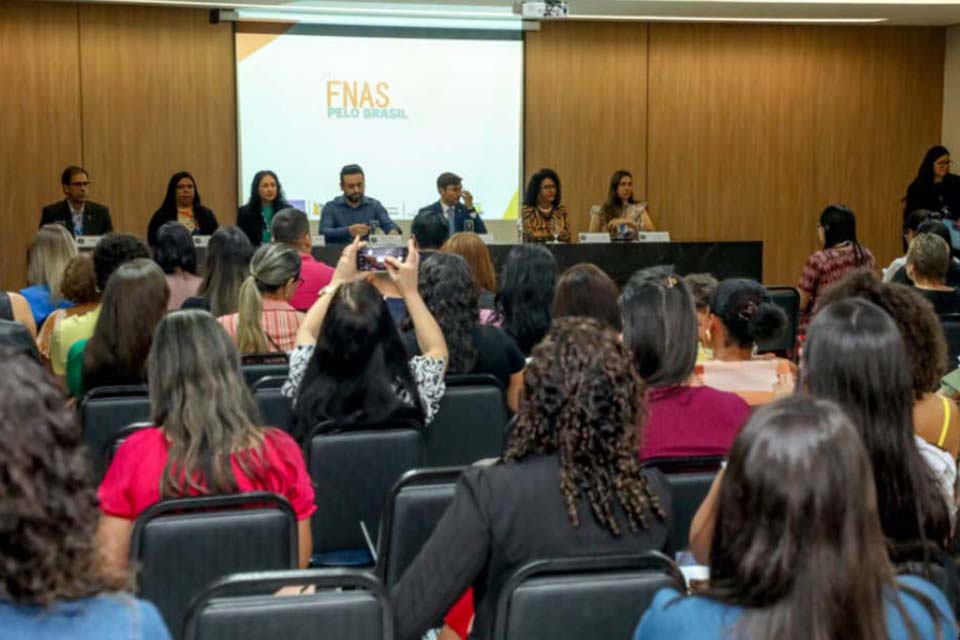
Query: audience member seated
[[841, 253], [939, 228], [14, 335], [527, 284], [927, 260], [291, 227], [177, 256], [265, 322], [798, 550], [182, 204], [911, 225], [15, 308], [447, 289], [543, 216], [265, 201], [53, 584], [225, 268], [430, 229], [570, 483], [854, 356], [585, 290], [477, 255], [702, 286], [660, 328], [206, 440], [742, 314], [80, 286], [620, 210], [350, 366], [112, 251], [935, 418], [116, 354], [51, 250]]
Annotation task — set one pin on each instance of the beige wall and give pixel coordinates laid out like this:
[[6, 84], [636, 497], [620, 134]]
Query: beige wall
[[951, 90], [733, 132]]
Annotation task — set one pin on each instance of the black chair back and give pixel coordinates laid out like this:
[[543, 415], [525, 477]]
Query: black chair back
[[348, 604], [352, 475], [253, 373], [470, 423], [276, 410], [788, 299], [117, 438], [414, 507], [689, 480], [582, 598], [951, 331], [180, 546], [106, 410]]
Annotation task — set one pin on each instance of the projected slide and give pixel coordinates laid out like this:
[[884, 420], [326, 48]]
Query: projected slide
[[405, 109]]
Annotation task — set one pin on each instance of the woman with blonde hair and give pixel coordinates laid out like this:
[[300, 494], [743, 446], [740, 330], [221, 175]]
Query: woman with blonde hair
[[477, 255], [79, 286], [51, 250], [265, 321]]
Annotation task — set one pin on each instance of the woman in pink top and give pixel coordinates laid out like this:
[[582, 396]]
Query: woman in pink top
[[660, 327], [206, 440]]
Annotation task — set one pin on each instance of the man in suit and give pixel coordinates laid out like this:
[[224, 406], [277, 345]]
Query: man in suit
[[80, 216], [450, 188]]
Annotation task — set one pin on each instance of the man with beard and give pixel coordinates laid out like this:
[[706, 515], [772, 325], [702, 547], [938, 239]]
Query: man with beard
[[353, 214]]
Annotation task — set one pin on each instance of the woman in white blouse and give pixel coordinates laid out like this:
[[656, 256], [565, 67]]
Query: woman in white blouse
[[621, 210]]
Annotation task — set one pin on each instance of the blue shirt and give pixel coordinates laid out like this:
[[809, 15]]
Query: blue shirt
[[105, 617], [699, 618], [337, 216], [38, 297]]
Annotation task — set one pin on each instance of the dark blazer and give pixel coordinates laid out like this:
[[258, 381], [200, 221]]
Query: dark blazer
[[96, 218], [460, 213], [943, 197], [206, 222], [252, 223], [501, 518]]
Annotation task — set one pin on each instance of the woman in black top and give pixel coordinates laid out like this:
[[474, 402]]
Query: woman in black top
[[266, 200], [549, 498], [934, 188], [446, 286], [182, 204]]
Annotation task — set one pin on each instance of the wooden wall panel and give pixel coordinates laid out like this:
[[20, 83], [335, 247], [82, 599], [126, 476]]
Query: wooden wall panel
[[40, 133], [754, 129], [158, 97], [586, 108]]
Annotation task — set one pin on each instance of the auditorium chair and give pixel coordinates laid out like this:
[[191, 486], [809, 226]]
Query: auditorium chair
[[689, 480], [414, 507], [180, 546], [951, 331], [347, 605], [469, 425], [788, 299], [276, 410], [260, 365], [582, 598], [117, 438], [106, 410], [352, 474]]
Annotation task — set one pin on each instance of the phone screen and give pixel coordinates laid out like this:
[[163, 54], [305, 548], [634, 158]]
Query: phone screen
[[372, 258]]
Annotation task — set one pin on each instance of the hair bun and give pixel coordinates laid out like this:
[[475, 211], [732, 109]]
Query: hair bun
[[768, 322]]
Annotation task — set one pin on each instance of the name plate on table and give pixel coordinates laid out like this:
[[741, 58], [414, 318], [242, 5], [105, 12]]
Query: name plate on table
[[87, 242], [201, 241], [594, 238], [487, 238], [653, 236], [318, 241], [386, 240]]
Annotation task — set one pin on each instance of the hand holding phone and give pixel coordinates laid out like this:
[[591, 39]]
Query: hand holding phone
[[373, 258]]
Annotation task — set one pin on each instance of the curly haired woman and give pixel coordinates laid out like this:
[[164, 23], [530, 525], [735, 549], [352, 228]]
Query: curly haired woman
[[547, 499], [53, 584]]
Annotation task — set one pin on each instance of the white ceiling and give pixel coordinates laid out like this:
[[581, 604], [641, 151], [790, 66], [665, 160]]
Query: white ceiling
[[911, 12]]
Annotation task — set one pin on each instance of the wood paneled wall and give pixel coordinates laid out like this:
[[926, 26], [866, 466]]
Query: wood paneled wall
[[731, 131], [749, 130], [133, 94]]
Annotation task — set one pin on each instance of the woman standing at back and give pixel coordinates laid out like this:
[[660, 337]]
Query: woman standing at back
[[934, 188]]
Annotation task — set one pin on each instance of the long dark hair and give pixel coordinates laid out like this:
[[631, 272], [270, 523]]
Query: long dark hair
[[254, 201], [169, 205], [586, 290], [925, 171], [855, 356], [225, 268], [357, 366], [660, 326], [527, 284], [134, 302], [533, 187], [582, 402], [174, 249], [797, 541], [839, 226], [747, 312], [613, 207], [446, 286]]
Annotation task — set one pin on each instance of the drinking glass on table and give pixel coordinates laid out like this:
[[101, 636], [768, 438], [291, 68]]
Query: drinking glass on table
[[375, 228], [468, 226], [556, 228]]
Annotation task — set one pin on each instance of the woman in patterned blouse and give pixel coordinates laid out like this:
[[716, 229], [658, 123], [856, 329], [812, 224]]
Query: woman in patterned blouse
[[544, 218]]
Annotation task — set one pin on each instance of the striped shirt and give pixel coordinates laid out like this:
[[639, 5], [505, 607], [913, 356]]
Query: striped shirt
[[280, 322]]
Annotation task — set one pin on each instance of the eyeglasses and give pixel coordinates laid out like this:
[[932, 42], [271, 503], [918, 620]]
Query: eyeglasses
[[944, 163], [80, 184]]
